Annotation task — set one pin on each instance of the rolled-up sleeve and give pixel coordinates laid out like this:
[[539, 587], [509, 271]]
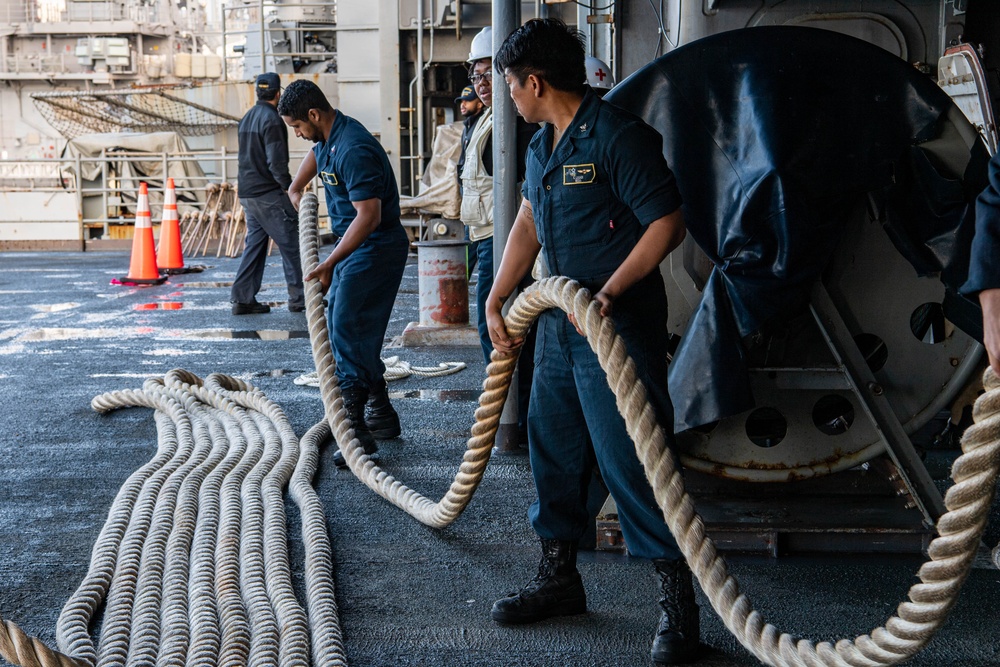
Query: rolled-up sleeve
[[984, 265], [364, 177], [643, 181]]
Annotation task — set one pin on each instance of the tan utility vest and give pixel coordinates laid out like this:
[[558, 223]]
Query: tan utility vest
[[477, 185]]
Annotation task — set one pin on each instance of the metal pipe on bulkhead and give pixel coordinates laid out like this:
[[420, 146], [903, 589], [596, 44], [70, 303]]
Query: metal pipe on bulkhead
[[419, 152], [506, 19], [263, 48]]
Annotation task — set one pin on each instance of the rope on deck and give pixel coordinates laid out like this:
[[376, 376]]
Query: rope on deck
[[903, 635], [395, 369], [192, 566]]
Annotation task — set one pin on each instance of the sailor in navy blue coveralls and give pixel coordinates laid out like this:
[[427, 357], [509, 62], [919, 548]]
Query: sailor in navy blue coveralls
[[365, 268], [603, 208], [354, 167], [590, 200]]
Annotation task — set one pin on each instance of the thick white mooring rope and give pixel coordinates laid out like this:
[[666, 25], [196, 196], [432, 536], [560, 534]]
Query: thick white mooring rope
[[905, 634], [198, 536]]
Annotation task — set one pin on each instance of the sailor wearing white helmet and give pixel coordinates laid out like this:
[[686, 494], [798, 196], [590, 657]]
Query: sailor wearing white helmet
[[599, 76]]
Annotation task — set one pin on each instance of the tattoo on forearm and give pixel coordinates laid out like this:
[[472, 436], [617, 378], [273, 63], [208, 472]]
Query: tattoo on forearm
[[527, 212]]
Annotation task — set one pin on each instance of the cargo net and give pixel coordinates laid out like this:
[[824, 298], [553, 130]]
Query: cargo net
[[77, 113]]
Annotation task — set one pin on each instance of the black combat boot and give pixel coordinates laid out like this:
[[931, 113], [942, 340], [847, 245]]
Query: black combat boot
[[676, 640], [354, 404], [556, 590], [381, 418]]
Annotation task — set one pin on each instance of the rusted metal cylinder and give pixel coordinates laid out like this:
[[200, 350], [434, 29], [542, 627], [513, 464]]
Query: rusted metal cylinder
[[443, 283]]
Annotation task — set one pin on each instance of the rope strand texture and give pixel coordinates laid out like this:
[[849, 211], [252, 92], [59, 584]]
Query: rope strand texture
[[192, 564], [905, 634], [395, 369], [435, 514]]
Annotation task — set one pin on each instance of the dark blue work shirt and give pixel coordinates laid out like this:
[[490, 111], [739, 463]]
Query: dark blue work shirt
[[354, 167], [984, 265], [593, 197]]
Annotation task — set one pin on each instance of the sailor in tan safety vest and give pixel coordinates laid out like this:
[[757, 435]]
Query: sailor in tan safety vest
[[477, 181]]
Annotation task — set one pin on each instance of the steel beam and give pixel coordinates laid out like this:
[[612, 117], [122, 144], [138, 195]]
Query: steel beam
[[875, 403], [506, 195]]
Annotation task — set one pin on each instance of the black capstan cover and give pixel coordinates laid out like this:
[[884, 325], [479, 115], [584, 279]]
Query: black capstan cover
[[775, 134]]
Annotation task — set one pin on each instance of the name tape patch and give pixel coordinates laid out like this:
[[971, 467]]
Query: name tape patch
[[579, 174]]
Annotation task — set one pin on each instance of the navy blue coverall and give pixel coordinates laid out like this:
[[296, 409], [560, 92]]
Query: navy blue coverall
[[354, 167], [591, 199], [984, 265]]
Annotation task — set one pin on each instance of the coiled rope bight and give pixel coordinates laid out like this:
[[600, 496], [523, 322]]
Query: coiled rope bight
[[903, 635], [192, 564], [395, 369]]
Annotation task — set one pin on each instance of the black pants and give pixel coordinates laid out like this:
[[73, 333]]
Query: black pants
[[269, 216]]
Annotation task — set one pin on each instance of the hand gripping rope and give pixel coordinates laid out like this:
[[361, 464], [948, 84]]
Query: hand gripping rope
[[906, 633]]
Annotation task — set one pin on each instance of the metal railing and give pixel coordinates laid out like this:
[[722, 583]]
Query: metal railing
[[34, 63], [21, 12], [31, 12], [113, 191]]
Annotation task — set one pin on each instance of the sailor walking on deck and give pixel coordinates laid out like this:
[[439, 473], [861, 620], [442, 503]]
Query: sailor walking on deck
[[263, 192]]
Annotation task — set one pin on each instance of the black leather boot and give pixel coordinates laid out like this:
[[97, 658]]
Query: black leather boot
[[556, 590], [354, 404], [381, 418], [676, 640]]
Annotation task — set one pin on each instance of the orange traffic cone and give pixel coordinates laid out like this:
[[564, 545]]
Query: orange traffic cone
[[169, 255], [142, 269]]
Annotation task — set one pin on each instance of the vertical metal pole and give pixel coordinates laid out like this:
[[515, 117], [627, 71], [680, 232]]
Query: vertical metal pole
[[225, 56], [79, 201], [417, 170], [105, 215], [506, 19], [225, 166], [163, 188], [263, 48]]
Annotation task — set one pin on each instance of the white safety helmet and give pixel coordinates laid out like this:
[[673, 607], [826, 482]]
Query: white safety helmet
[[482, 45], [599, 75]]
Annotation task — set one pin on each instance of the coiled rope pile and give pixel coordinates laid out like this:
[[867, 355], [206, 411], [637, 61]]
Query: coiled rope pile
[[906, 633], [198, 536]]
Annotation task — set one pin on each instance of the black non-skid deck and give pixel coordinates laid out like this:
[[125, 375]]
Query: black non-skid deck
[[407, 594]]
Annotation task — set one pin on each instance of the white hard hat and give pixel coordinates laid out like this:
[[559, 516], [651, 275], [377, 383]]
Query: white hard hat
[[482, 45], [599, 75]]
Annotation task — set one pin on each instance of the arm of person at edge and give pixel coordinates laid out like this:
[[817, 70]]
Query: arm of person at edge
[[657, 241], [984, 277], [518, 258], [365, 222], [989, 300], [305, 174]]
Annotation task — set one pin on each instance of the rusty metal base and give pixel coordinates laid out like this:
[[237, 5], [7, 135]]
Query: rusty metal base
[[856, 511], [416, 335]]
